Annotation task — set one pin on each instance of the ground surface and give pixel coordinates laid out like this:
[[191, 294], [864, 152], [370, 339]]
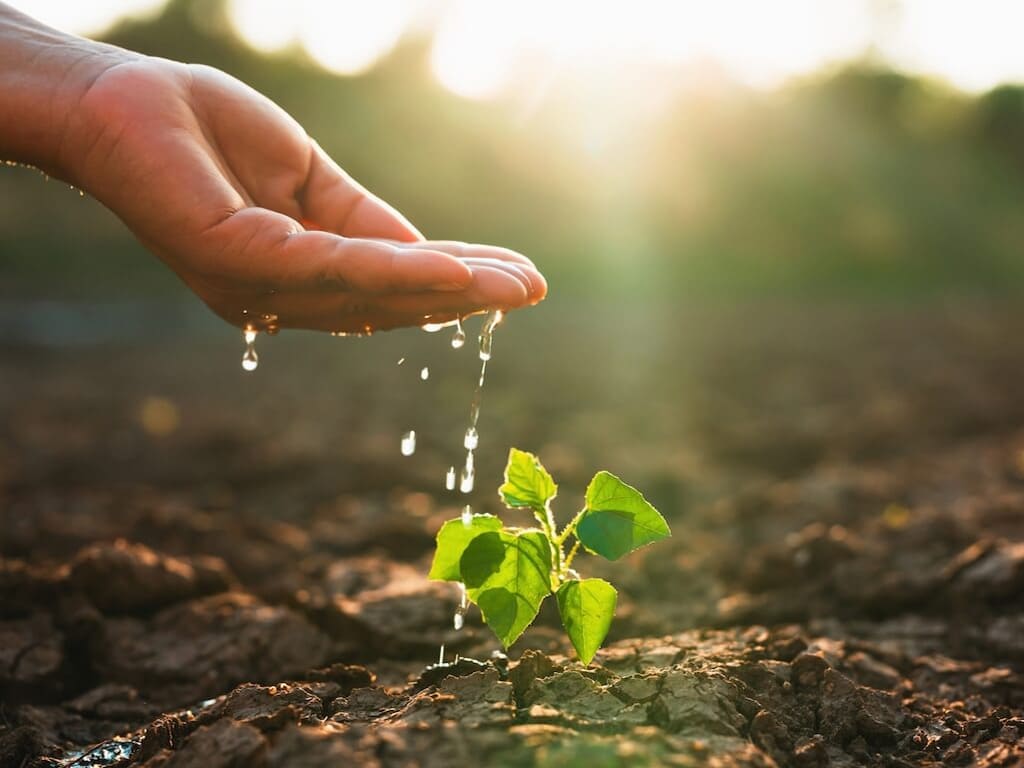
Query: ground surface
[[202, 568]]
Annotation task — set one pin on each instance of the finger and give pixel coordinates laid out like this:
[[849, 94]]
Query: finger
[[335, 202], [269, 251], [491, 289], [532, 280], [471, 251], [478, 251]]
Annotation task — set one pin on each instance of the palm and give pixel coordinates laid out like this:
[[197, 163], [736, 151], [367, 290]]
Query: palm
[[235, 197]]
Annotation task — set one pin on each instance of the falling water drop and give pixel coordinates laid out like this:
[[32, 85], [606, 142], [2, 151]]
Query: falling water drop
[[487, 331], [449, 479], [471, 440], [424, 373], [459, 620], [401, 360], [409, 443], [467, 478], [467, 515], [459, 339], [250, 359]]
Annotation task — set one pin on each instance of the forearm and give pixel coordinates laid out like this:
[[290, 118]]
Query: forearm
[[43, 75]]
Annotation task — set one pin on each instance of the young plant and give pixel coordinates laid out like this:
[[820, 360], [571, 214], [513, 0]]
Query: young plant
[[508, 572]]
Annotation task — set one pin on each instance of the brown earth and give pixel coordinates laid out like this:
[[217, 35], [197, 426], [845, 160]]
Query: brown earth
[[199, 567]]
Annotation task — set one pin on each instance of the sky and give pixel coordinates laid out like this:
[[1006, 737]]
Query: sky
[[483, 48]]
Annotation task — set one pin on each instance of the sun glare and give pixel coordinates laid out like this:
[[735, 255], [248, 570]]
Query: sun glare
[[482, 44], [484, 47], [86, 18], [974, 45], [344, 36]]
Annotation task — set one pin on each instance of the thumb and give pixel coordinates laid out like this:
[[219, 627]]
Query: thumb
[[333, 201]]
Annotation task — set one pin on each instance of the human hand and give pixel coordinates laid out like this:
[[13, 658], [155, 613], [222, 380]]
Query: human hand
[[233, 195]]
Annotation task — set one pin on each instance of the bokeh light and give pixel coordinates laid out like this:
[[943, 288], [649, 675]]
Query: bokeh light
[[483, 47], [345, 37]]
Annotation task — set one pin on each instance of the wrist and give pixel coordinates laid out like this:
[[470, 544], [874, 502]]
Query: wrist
[[44, 74]]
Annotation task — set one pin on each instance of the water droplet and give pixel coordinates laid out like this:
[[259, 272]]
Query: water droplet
[[467, 515], [401, 360], [471, 440], [440, 655], [250, 360], [270, 323], [409, 443], [424, 373], [467, 478], [487, 332], [435, 327], [459, 620], [449, 479], [459, 339], [114, 752]]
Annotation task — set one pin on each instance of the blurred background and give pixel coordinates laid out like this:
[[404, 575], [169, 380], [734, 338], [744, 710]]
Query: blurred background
[[784, 246], [865, 148], [784, 232]]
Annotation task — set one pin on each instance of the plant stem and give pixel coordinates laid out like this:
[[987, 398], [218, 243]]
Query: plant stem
[[569, 528], [572, 553], [547, 521]]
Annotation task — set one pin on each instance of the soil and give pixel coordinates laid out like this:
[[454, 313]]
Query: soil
[[205, 568]]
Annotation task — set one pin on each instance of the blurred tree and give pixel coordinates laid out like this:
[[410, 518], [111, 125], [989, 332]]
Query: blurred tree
[[860, 181]]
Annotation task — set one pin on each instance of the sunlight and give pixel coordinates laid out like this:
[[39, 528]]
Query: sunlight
[[483, 44], [974, 45], [86, 17], [343, 36], [482, 48]]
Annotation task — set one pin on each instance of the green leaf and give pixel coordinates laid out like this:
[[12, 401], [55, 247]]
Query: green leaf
[[617, 518], [527, 483], [452, 540], [508, 575], [587, 608]]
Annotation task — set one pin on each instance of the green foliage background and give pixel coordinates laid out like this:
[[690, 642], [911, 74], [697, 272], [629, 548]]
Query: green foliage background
[[860, 182]]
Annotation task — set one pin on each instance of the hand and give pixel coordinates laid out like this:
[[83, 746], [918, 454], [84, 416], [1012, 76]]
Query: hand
[[233, 195]]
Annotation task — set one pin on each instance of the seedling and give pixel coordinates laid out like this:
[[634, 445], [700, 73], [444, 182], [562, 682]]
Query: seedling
[[509, 572]]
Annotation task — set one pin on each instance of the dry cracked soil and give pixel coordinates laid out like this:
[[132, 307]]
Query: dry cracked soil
[[203, 569]]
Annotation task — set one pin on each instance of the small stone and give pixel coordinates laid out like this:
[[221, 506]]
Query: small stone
[[225, 744], [637, 688], [808, 670]]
